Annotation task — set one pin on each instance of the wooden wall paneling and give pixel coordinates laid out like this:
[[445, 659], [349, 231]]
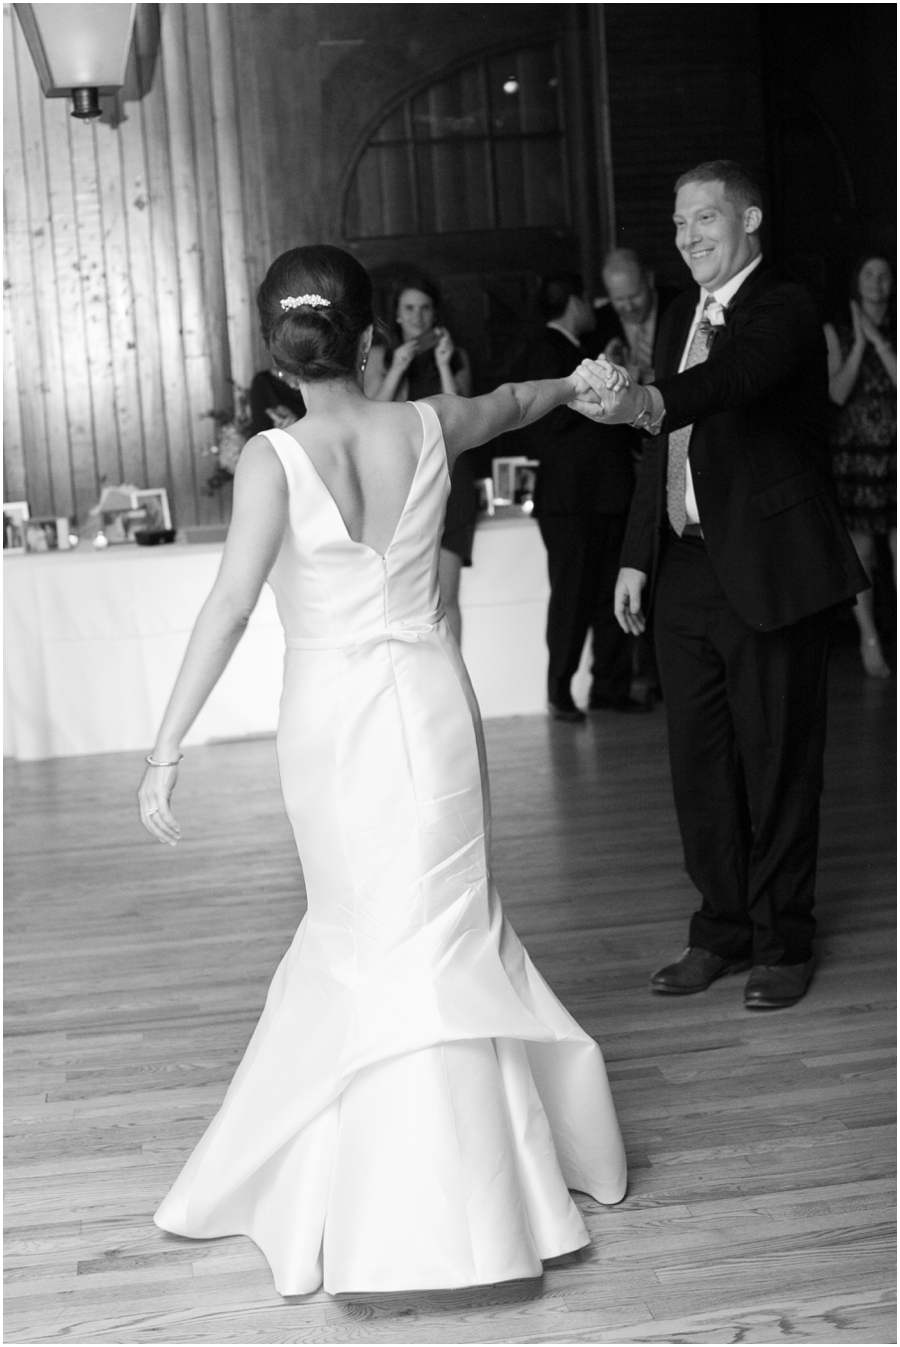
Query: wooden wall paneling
[[167, 300], [23, 407], [33, 297], [237, 296], [190, 137], [255, 185], [201, 60], [14, 478], [68, 308], [95, 298], [139, 209], [118, 275]]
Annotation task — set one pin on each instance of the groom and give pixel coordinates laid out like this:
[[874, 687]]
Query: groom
[[735, 535]]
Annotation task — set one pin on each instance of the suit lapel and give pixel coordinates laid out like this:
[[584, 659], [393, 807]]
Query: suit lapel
[[744, 296], [681, 315]]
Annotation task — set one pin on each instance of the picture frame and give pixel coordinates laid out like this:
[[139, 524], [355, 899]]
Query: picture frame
[[155, 503], [513, 479], [117, 526], [15, 512], [47, 533]]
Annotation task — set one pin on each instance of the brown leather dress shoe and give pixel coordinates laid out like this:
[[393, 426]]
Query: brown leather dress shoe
[[694, 972], [783, 984]]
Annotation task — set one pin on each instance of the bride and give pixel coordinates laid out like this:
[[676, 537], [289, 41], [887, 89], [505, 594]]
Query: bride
[[414, 1103]]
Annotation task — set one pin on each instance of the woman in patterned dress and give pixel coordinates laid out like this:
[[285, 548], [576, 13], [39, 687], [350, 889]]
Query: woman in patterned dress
[[862, 374]]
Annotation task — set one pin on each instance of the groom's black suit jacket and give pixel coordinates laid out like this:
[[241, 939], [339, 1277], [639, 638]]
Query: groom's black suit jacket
[[760, 466]]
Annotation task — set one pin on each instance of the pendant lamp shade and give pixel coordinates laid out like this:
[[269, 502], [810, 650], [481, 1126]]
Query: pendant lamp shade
[[79, 50]]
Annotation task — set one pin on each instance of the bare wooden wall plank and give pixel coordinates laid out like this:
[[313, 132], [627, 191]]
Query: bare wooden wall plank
[[67, 267], [179, 474], [119, 290], [255, 186], [14, 480], [138, 209], [239, 306], [206, 200], [182, 112], [35, 318], [15, 240], [201, 59], [95, 299]]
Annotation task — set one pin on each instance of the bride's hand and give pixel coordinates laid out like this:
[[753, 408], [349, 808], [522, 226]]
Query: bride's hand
[[154, 794]]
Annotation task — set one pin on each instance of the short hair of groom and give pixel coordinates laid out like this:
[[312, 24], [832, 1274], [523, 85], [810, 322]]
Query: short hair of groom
[[739, 187]]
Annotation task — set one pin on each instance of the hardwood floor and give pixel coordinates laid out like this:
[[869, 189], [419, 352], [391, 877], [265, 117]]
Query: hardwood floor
[[761, 1146]]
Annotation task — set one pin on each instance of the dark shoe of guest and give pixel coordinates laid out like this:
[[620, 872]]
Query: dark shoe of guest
[[694, 971], [566, 711], [783, 984], [626, 704]]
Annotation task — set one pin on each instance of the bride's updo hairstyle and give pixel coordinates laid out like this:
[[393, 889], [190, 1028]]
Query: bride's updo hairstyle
[[314, 306]]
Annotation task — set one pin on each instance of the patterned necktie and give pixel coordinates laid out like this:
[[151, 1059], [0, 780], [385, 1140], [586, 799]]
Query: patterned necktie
[[679, 440]]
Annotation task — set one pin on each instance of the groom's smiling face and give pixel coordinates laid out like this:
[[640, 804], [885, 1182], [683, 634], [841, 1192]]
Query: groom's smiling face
[[714, 236]]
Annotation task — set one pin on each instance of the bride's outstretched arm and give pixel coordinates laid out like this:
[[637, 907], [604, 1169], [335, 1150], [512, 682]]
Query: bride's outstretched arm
[[257, 526], [468, 422]]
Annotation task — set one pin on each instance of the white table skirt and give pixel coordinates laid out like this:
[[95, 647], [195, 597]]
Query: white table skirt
[[93, 641]]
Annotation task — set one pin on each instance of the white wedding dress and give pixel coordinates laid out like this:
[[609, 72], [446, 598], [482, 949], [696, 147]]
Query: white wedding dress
[[414, 1103]]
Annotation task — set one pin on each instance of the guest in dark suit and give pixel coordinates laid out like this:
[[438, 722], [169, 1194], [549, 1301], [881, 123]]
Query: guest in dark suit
[[626, 329], [584, 487], [627, 324], [748, 557]]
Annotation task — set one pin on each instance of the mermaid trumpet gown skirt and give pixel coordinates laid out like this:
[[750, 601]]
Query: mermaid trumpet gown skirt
[[414, 1103]]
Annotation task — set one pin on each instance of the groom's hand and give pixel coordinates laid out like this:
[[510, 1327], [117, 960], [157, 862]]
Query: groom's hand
[[629, 590], [610, 397]]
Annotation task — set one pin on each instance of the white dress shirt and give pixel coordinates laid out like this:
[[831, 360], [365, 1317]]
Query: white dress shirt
[[723, 296]]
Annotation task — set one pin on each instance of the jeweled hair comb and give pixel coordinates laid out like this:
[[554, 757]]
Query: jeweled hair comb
[[311, 301]]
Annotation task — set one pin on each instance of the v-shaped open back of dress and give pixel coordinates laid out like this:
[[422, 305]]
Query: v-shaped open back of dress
[[414, 1103]]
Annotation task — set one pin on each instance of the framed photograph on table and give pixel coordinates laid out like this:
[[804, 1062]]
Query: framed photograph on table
[[155, 504], [15, 512], [47, 533]]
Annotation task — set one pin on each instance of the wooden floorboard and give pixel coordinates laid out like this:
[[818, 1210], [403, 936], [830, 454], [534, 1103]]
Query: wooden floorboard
[[761, 1205]]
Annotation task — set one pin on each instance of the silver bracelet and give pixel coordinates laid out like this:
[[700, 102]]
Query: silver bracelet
[[645, 415], [153, 763]]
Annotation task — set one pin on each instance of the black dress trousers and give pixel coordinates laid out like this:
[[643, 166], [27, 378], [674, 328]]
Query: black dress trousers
[[746, 722], [582, 564]]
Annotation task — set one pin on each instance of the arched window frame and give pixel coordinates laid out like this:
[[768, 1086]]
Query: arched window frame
[[488, 139]]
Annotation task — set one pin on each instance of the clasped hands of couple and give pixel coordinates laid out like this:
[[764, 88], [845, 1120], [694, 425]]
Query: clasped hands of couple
[[609, 396], [607, 393]]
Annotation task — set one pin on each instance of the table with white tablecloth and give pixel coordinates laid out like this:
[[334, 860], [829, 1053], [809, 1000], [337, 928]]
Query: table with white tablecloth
[[93, 641]]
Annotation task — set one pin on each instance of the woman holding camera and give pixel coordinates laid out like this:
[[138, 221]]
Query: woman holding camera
[[425, 361]]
